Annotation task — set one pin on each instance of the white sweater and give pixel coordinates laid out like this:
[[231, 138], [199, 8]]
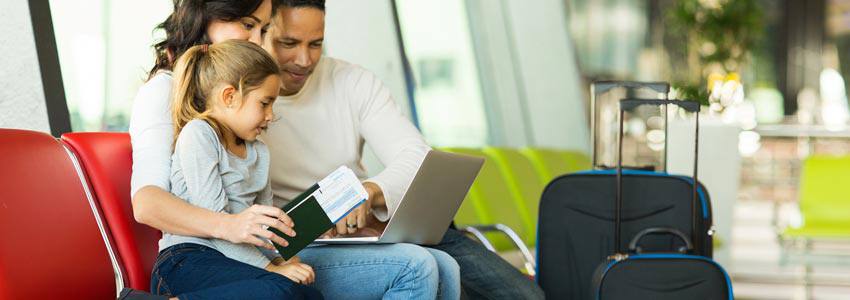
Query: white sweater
[[340, 108]]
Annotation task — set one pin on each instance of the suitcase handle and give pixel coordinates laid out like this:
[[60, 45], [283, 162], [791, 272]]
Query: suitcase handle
[[635, 248], [629, 104]]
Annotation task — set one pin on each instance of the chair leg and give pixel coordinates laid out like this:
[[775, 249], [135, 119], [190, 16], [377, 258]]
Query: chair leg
[[807, 272]]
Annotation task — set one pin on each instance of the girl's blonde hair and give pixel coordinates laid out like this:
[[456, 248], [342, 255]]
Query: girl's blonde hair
[[200, 69]]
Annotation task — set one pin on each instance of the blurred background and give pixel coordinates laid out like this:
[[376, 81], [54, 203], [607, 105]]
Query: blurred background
[[517, 74]]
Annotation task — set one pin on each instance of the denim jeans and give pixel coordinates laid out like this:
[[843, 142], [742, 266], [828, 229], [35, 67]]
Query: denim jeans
[[388, 271], [485, 275], [191, 271]]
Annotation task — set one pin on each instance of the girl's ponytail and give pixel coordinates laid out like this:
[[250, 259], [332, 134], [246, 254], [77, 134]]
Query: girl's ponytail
[[190, 101]]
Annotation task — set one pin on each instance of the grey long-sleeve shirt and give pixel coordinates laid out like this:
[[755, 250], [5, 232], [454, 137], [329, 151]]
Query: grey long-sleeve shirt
[[206, 175]]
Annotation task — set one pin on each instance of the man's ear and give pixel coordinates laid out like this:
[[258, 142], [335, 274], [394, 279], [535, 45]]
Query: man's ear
[[229, 96]]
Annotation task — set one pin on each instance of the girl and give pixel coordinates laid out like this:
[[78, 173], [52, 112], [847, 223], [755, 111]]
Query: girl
[[223, 97]]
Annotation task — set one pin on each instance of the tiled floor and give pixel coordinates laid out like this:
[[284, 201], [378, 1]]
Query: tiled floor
[[755, 265]]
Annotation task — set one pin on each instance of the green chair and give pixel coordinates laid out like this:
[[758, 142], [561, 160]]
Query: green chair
[[524, 183], [824, 199], [551, 163], [491, 213], [825, 207], [490, 202]]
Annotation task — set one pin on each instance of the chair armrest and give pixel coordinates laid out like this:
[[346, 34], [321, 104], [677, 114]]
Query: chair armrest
[[479, 230]]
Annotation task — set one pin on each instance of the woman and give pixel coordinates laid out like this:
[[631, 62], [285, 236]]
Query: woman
[[406, 271]]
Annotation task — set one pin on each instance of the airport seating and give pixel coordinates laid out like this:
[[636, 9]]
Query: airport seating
[[501, 208], [551, 163], [54, 243], [508, 189], [824, 199], [492, 201], [106, 158], [89, 175], [524, 184], [824, 205]]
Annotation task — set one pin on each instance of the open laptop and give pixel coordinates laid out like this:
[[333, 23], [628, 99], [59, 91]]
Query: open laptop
[[429, 205]]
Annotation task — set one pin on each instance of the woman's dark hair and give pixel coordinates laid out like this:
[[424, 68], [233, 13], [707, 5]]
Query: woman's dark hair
[[187, 26]]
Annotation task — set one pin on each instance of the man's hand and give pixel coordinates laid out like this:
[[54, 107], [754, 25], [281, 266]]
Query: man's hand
[[358, 217], [246, 226], [293, 269]]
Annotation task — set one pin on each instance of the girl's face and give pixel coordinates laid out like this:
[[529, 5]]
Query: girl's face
[[249, 115], [250, 28]]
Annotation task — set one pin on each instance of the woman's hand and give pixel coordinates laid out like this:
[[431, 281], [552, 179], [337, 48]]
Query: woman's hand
[[293, 269], [246, 226]]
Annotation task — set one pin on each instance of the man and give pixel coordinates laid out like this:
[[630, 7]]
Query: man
[[329, 109]]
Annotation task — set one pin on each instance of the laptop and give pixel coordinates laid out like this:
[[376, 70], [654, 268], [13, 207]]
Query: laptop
[[430, 204]]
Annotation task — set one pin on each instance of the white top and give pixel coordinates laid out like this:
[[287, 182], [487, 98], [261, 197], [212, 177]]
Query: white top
[[340, 108], [151, 134]]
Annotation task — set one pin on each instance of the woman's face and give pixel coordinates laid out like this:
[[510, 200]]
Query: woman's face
[[250, 28]]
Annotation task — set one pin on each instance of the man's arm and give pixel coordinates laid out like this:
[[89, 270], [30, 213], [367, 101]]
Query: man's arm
[[396, 142]]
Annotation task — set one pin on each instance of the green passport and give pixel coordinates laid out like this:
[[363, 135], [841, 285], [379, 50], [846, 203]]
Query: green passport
[[310, 222]]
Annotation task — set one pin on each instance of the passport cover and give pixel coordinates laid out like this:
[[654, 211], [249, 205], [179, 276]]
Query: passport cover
[[310, 222]]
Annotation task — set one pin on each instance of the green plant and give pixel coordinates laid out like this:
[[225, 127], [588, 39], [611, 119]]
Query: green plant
[[719, 35]]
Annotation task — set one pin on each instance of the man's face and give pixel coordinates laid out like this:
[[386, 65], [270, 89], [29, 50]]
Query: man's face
[[295, 40]]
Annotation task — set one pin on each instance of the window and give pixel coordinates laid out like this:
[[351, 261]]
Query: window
[[105, 52], [447, 96]]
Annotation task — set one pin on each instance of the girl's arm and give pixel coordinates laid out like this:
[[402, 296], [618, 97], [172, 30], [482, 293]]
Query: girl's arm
[[151, 132]]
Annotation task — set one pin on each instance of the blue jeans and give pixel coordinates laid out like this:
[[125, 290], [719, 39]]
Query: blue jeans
[[389, 271], [191, 271], [485, 275]]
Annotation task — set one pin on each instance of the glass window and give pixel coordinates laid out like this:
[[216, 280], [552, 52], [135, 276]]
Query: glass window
[[447, 96], [104, 53], [609, 36]]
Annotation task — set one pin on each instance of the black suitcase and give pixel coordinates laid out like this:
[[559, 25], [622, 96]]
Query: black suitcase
[[577, 219], [659, 276], [671, 274]]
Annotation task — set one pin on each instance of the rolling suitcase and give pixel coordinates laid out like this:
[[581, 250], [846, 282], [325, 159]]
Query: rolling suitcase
[[577, 219], [672, 274]]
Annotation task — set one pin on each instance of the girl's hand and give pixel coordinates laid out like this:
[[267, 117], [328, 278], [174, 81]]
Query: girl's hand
[[293, 269], [246, 226]]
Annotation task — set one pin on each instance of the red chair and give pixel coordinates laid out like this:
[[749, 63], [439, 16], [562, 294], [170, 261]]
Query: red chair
[[53, 243], [107, 160]]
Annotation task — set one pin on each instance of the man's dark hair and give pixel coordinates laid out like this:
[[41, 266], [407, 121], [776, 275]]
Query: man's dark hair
[[319, 4]]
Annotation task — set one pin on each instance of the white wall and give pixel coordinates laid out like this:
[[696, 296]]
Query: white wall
[[550, 73], [363, 32], [502, 87], [532, 83], [21, 95]]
